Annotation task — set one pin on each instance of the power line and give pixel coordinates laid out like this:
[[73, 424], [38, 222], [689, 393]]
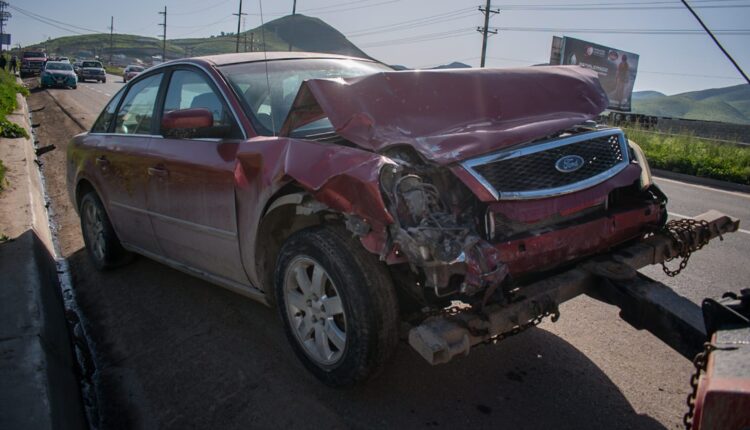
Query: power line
[[412, 23], [42, 18], [670, 32], [700, 21], [201, 9], [421, 38]]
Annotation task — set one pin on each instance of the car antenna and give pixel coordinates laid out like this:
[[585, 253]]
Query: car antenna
[[265, 61]]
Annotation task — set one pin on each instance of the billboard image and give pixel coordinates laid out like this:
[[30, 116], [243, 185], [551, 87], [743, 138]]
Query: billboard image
[[616, 68]]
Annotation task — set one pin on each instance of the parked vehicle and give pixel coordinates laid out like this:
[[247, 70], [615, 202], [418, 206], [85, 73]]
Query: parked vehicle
[[131, 72], [92, 71], [354, 197], [32, 63], [58, 74]]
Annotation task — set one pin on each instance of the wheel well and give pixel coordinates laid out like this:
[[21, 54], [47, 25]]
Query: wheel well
[[82, 188], [281, 222]]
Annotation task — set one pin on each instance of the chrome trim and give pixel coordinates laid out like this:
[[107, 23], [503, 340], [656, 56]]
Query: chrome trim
[[191, 225], [469, 165]]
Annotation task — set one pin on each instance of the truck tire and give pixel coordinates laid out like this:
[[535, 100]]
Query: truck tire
[[102, 245], [338, 305]]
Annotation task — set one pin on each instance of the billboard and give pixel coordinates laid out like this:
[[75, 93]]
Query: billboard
[[616, 68], [4, 39]]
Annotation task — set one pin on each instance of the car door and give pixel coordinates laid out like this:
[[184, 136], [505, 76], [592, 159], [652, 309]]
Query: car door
[[191, 191], [122, 161]]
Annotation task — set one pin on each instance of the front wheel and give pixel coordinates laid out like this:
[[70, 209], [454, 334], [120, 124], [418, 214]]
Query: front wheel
[[101, 241], [338, 305]]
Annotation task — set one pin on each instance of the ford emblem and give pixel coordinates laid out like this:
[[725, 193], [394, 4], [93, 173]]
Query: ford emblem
[[569, 163]]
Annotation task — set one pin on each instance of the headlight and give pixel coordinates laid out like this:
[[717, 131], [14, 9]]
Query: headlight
[[640, 157]]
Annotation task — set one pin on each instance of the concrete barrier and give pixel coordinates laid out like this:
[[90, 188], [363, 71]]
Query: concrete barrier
[[39, 383]]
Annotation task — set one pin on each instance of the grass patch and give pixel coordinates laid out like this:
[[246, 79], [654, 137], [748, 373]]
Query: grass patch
[[694, 156], [114, 70], [2, 175], [8, 89]]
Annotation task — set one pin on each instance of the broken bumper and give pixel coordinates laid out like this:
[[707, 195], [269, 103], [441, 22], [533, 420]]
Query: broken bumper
[[440, 338]]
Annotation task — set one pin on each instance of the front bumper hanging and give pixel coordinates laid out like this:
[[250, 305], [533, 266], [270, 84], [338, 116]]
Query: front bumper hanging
[[612, 277]]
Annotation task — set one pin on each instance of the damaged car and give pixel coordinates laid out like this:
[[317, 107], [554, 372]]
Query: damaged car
[[359, 200]]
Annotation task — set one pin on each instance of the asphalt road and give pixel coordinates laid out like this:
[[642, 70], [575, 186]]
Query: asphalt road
[[176, 352]]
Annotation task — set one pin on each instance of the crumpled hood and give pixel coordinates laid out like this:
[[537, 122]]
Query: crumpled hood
[[451, 115]]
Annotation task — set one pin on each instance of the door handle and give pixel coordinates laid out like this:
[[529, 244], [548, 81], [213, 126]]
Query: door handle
[[158, 171], [102, 161]]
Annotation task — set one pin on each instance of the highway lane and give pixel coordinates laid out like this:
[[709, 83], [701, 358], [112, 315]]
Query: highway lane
[[177, 352]]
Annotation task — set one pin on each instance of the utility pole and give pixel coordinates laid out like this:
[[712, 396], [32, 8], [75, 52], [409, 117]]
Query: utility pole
[[4, 15], [716, 41], [294, 12], [111, 34], [164, 36], [239, 20], [486, 30]]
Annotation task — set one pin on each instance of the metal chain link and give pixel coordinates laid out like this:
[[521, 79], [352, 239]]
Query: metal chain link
[[682, 233], [700, 361]]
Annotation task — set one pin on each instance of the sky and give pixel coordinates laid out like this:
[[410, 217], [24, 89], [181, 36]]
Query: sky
[[425, 33]]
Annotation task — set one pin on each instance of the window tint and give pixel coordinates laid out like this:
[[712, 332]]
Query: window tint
[[189, 89], [105, 118], [136, 114]]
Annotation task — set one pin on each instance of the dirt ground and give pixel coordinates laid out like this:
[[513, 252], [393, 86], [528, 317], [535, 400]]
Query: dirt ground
[[176, 352]]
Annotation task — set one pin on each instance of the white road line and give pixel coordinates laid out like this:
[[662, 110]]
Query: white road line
[[685, 216], [108, 94], [703, 187]]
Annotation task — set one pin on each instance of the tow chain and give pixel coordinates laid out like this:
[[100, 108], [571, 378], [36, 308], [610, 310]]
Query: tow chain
[[451, 312], [681, 231], [700, 361]]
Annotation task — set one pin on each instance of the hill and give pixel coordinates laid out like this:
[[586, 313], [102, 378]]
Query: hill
[[302, 33], [728, 104]]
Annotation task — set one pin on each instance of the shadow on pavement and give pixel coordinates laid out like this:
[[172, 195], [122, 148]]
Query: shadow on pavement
[[177, 352]]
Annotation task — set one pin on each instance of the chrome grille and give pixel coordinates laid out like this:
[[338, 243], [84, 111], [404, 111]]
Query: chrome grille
[[530, 172]]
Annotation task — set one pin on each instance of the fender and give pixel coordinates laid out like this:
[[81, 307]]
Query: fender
[[343, 178]]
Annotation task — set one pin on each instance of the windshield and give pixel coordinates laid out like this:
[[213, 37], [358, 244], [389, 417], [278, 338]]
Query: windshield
[[94, 64], [269, 110], [135, 69], [58, 66]]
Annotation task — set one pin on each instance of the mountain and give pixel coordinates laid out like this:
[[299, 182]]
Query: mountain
[[453, 65], [647, 95], [302, 33], [728, 104]]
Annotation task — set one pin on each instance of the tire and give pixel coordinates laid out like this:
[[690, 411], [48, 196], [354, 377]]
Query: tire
[[361, 302], [74, 86], [102, 245], [104, 81]]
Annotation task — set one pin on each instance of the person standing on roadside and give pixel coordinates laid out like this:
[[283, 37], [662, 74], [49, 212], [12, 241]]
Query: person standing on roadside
[[13, 64], [3, 61]]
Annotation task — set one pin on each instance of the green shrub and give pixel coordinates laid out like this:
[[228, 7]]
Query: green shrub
[[694, 156], [8, 89], [2, 175]]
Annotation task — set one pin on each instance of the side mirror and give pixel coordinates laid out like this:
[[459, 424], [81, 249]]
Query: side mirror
[[185, 123]]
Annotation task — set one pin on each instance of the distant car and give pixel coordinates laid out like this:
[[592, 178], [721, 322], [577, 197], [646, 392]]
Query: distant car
[[92, 71], [77, 68], [63, 59], [131, 71], [58, 74], [32, 63]]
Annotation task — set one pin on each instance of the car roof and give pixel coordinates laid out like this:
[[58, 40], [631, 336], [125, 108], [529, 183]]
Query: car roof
[[247, 57]]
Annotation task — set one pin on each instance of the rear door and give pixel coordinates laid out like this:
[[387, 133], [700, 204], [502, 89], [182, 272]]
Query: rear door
[[122, 163], [191, 194]]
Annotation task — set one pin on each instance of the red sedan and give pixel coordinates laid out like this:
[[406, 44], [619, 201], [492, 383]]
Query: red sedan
[[354, 197]]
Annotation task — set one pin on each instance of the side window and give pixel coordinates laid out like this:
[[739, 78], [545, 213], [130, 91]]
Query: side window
[[136, 115], [108, 114], [188, 89]]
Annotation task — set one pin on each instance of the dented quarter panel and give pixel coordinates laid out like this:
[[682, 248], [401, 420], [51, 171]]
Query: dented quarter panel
[[451, 115]]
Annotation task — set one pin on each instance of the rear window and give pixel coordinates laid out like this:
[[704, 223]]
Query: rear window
[[58, 66], [92, 64], [136, 69]]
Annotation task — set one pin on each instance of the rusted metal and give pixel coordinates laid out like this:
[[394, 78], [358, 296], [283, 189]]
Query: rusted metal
[[646, 304]]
